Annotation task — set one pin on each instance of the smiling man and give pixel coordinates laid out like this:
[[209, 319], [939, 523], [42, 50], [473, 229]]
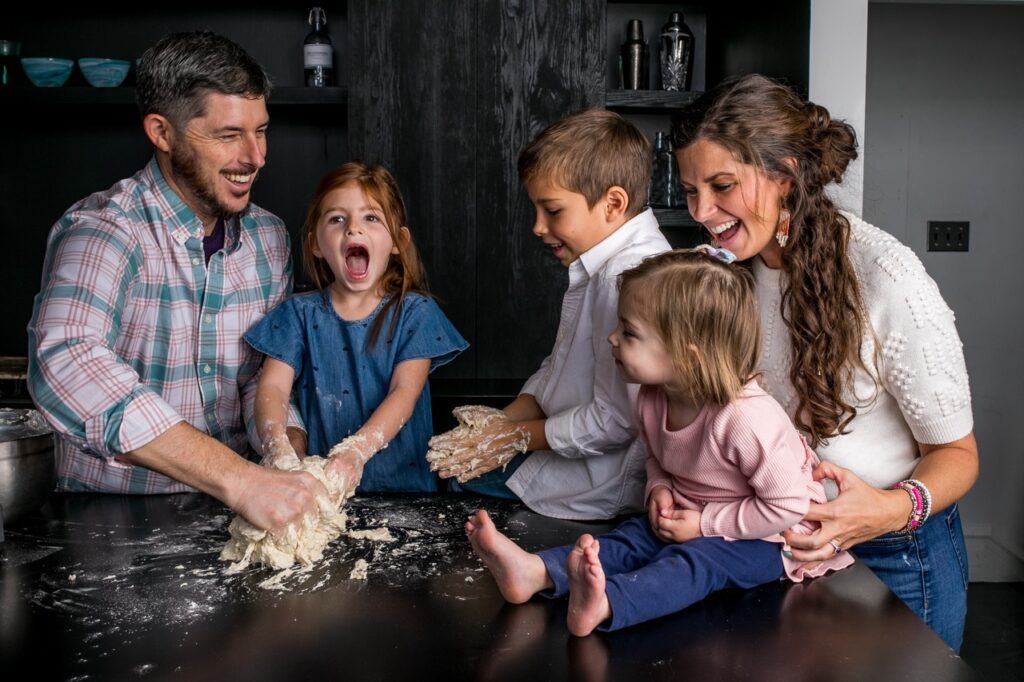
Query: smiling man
[[136, 355]]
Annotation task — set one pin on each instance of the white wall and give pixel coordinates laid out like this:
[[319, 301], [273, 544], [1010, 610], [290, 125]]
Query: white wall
[[945, 92], [838, 65], [934, 91]]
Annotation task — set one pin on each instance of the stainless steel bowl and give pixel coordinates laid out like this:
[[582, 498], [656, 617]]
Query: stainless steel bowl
[[26, 462]]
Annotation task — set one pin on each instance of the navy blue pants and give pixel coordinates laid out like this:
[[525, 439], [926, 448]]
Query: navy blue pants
[[645, 578]]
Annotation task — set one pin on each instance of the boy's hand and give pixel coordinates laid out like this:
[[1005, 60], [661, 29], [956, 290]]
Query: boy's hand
[[484, 440], [478, 415], [473, 419]]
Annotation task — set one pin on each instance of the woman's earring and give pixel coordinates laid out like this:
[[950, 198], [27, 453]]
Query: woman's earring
[[782, 231]]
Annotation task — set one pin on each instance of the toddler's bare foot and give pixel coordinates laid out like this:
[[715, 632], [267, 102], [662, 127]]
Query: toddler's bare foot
[[519, 574], [588, 602]]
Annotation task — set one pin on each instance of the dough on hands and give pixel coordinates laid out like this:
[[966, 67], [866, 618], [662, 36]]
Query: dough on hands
[[473, 420], [303, 542]]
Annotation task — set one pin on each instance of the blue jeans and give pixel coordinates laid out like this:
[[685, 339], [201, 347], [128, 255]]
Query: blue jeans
[[491, 484], [646, 578], [927, 570]]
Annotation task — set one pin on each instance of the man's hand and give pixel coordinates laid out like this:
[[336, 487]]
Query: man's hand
[[484, 440], [266, 498], [272, 500]]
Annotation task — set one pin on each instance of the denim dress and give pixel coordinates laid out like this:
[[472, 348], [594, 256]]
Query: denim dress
[[339, 381]]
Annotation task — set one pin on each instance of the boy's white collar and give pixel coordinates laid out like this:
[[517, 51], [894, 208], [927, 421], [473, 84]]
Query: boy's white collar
[[595, 257]]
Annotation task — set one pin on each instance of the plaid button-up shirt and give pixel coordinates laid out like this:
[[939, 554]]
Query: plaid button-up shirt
[[132, 332]]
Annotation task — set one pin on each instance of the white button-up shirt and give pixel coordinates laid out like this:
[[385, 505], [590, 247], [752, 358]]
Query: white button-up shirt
[[595, 467]]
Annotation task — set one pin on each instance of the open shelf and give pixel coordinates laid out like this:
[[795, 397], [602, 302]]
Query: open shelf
[[283, 96], [679, 228], [649, 101], [675, 217]]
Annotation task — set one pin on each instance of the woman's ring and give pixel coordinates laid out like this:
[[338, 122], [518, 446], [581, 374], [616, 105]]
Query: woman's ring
[[835, 546]]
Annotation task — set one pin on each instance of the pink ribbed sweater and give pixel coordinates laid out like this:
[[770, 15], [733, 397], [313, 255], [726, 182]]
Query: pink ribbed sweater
[[743, 466]]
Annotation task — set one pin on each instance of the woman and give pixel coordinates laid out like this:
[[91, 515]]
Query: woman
[[859, 346]]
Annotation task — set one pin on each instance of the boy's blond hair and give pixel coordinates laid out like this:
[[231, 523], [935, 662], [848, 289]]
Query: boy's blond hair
[[588, 152], [705, 313]]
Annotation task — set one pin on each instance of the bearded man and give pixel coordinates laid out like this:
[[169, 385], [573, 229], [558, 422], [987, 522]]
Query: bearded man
[[136, 356]]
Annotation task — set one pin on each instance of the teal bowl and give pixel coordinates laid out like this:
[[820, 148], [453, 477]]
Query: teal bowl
[[47, 72], [104, 73]]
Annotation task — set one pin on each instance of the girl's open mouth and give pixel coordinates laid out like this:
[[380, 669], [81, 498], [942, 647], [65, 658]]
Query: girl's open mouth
[[357, 261]]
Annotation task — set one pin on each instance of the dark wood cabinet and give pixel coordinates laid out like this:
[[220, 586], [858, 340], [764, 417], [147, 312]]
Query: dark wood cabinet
[[448, 93], [445, 93]]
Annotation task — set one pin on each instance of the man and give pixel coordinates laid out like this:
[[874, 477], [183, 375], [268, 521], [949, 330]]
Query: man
[[136, 355]]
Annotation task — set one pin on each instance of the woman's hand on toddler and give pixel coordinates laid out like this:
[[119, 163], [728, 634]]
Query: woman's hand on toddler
[[484, 440], [668, 522]]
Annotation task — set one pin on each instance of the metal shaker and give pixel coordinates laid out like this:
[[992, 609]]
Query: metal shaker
[[634, 58], [676, 50]]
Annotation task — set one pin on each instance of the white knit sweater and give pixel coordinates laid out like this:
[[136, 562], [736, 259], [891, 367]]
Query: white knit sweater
[[923, 393]]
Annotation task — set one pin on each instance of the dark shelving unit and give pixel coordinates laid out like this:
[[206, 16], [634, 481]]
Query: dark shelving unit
[[676, 218], [447, 116], [648, 101], [283, 96]]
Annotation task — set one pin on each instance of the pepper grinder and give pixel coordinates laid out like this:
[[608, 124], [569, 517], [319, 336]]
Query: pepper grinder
[[635, 55]]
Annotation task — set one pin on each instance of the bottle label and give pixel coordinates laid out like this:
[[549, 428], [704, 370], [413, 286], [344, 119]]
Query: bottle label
[[317, 55]]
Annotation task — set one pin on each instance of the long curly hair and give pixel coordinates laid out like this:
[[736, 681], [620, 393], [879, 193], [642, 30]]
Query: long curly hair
[[766, 124]]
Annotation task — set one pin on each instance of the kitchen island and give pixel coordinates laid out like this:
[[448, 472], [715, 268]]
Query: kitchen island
[[96, 587]]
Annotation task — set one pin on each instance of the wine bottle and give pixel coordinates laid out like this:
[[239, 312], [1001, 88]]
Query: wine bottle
[[318, 52]]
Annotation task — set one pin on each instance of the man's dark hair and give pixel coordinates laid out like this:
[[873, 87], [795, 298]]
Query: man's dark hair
[[175, 75]]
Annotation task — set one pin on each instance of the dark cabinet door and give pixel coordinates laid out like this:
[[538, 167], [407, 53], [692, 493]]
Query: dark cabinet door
[[445, 93]]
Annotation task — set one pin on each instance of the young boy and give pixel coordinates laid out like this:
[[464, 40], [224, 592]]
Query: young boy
[[587, 177]]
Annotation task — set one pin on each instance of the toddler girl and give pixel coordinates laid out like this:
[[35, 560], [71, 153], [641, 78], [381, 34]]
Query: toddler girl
[[726, 470], [354, 354]]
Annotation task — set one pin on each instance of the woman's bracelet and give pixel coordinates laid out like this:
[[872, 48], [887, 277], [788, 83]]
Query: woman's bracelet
[[920, 504]]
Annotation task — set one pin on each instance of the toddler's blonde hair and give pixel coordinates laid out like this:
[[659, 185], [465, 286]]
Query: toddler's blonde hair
[[705, 313]]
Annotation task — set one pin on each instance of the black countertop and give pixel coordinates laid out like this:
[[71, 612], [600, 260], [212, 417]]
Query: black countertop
[[107, 587]]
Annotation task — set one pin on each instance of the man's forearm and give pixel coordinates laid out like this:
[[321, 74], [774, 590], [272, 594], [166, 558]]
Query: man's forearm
[[190, 456]]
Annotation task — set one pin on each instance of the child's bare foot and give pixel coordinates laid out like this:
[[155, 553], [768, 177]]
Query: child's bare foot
[[519, 574], [588, 602]]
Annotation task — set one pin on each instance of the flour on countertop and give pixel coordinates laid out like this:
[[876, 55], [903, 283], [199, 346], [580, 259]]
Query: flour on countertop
[[359, 570], [373, 534], [116, 580]]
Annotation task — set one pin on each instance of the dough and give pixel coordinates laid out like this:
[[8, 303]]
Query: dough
[[359, 570], [373, 534], [303, 543], [444, 449]]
